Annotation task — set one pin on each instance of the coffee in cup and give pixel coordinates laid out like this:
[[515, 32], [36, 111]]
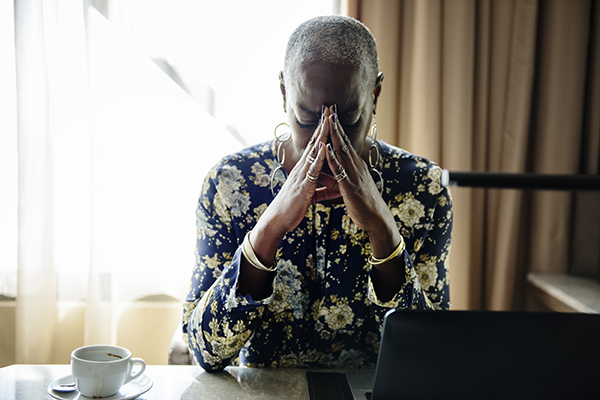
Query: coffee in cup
[[100, 370]]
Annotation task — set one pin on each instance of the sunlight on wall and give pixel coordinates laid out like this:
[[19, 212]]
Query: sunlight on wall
[[234, 47], [141, 169], [151, 147]]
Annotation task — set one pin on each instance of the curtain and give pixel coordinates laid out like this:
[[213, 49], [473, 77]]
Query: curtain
[[500, 86], [55, 166], [37, 310], [112, 151], [110, 158]]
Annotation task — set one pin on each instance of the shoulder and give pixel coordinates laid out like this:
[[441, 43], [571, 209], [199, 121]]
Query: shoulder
[[253, 160], [242, 179], [408, 172], [257, 152], [397, 160]]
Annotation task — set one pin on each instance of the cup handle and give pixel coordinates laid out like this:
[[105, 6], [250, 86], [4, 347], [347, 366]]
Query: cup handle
[[132, 363]]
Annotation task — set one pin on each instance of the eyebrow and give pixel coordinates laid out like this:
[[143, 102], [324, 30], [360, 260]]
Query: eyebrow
[[306, 110], [318, 113]]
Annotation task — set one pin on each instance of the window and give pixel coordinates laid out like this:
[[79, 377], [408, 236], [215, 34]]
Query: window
[[174, 85]]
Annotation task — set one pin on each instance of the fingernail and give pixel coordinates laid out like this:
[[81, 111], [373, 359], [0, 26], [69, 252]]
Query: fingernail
[[329, 147], [320, 145], [334, 119], [335, 116]]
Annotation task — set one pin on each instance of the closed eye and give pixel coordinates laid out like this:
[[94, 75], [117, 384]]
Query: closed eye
[[353, 125], [306, 126]]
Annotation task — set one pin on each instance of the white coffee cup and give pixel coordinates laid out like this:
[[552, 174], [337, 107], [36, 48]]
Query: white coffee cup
[[101, 370]]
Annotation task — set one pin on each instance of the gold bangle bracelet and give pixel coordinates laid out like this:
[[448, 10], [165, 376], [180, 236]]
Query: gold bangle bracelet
[[248, 252], [395, 253]]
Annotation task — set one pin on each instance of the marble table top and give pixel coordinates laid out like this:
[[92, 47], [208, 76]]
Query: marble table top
[[20, 382]]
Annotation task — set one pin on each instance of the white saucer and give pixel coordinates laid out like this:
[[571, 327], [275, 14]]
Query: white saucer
[[128, 391]]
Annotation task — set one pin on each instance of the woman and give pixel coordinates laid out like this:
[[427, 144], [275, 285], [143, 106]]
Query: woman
[[305, 242]]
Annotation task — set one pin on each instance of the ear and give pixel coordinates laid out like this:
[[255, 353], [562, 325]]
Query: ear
[[377, 90], [282, 88]]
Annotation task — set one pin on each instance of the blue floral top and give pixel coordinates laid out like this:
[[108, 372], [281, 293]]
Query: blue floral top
[[323, 311]]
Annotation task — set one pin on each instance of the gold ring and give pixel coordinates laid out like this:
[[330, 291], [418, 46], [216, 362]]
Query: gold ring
[[341, 176], [310, 159], [345, 149], [310, 177]]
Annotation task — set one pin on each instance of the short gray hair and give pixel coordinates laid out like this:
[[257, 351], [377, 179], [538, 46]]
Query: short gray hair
[[333, 39]]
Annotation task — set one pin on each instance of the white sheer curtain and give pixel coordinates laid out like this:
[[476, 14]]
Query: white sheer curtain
[[112, 152], [110, 158], [36, 309]]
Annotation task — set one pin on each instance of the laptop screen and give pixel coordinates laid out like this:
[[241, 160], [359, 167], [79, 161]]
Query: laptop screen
[[495, 355]]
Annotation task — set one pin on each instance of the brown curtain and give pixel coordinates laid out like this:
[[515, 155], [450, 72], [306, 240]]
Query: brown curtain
[[500, 86]]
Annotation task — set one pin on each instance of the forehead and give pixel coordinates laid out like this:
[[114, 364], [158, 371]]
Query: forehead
[[316, 84]]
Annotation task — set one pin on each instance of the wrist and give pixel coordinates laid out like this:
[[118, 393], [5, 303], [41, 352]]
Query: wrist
[[384, 240], [252, 258], [396, 253], [265, 242]]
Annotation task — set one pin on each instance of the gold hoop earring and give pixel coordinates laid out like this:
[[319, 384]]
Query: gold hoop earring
[[375, 157], [282, 133]]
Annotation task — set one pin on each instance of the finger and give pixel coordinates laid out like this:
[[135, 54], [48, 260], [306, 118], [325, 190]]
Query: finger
[[335, 165], [322, 129], [320, 135], [325, 117], [310, 153], [326, 193], [330, 188], [314, 169], [316, 134], [339, 139]]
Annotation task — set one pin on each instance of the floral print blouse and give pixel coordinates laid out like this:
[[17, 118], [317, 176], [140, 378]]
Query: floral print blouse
[[323, 311]]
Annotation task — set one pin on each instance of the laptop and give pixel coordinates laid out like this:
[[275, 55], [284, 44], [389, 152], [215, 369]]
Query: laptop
[[478, 354]]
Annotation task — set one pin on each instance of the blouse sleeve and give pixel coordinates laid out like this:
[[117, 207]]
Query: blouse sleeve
[[217, 322], [427, 255]]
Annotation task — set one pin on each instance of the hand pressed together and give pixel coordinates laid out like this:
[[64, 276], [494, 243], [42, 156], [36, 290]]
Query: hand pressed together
[[309, 182]]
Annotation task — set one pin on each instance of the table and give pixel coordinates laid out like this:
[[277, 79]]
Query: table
[[20, 382]]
